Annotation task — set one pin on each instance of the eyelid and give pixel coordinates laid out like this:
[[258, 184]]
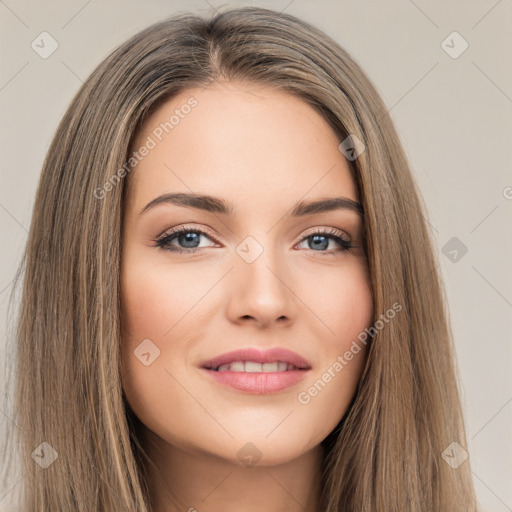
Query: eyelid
[[188, 227], [312, 231], [327, 230]]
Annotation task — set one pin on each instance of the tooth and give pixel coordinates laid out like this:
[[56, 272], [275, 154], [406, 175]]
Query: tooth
[[251, 366], [270, 367], [237, 366]]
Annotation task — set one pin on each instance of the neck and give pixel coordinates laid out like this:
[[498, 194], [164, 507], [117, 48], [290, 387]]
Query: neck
[[195, 482]]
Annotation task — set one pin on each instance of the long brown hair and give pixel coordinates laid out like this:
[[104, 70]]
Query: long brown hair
[[387, 452]]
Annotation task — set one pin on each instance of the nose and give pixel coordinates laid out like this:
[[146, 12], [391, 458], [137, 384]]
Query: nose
[[260, 292]]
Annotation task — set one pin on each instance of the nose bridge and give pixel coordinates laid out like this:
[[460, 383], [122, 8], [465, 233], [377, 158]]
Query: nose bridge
[[260, 261]]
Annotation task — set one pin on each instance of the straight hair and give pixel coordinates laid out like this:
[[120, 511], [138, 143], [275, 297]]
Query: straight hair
[[386, 454]]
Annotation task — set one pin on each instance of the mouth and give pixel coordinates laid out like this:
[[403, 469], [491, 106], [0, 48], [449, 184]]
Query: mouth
[[253, 360], [254, 371], [255, 367]]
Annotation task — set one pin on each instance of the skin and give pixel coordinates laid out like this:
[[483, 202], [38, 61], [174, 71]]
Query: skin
[[263, 150]]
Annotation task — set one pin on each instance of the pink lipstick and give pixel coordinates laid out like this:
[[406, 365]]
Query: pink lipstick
[[257, 372]]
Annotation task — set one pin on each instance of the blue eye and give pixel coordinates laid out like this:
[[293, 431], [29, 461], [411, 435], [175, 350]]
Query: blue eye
[[187, 236], [320, 240], [189, 239]]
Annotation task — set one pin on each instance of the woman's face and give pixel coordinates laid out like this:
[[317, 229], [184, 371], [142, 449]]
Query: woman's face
[[257, 273]]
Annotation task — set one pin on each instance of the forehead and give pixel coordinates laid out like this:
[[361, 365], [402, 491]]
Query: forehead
[[242, 141]]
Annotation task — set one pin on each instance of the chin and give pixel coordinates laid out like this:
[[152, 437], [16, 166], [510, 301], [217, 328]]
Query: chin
[[249, 451]]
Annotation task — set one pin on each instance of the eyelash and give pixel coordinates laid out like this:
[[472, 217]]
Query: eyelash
[[163, 241]]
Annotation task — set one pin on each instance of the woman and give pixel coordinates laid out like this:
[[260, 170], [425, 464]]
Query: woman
[[230, 296]]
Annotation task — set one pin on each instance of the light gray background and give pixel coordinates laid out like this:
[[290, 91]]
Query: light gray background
[[454, 116]]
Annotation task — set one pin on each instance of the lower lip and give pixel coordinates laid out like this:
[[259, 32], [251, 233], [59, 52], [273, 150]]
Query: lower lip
[[258, 383]]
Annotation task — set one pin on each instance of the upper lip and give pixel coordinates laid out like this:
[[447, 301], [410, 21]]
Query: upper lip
[[258, 356]]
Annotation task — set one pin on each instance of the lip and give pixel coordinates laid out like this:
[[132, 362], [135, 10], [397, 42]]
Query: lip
[[258, 382]]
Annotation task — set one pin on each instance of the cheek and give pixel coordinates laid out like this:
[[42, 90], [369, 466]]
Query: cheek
[[351, 311], [146, 308], [343, 301], [158, 300], [152, 314], [150, 307], [351, 305]]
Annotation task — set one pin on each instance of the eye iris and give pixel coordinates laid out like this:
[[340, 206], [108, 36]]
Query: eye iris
[[189, 237], [323, 243]]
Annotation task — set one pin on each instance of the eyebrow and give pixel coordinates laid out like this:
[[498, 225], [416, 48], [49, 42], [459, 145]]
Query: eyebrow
[[218, 205]]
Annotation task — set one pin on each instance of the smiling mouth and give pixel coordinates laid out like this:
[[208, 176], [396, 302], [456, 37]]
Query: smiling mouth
[[256, 378], [254, 367]]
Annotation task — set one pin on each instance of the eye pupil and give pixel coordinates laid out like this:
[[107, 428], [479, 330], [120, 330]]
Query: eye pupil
[[189, 237], [323, 244]]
